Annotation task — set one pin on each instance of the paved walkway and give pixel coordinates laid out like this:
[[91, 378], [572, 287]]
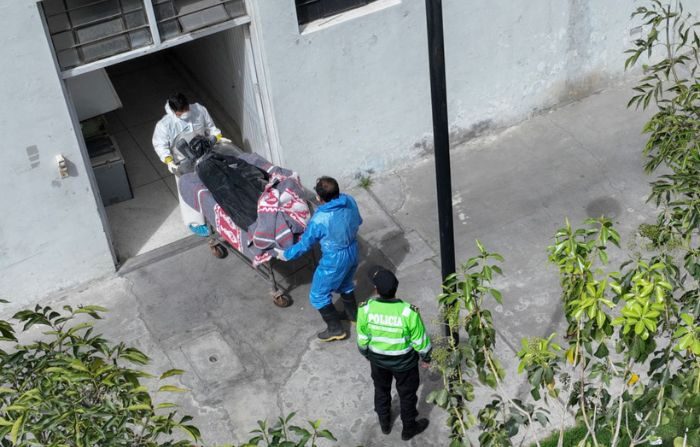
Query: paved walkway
[[247, 359]]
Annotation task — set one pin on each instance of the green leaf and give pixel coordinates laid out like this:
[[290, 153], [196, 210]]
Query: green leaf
[[600, 319], [535, 378], [603, 256], [326, 434], [191, 430], [79, 327], [78, 365], [135, 356], [602, 351], [496, 295], [91, 308], [164, 405], [171, 389], [497, 257], [139, 407], [688, 319], [441, 398], [16, 427], [171, 372]]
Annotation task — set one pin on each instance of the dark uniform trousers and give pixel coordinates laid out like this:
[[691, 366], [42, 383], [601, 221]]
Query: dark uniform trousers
[[406, 385]]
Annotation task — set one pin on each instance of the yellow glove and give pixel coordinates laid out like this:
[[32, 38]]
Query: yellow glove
[[220, 139], [172, 167]]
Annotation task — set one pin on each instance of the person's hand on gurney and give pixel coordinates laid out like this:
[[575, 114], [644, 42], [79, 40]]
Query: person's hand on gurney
[[218, 138], [280, 254], [172, 167]]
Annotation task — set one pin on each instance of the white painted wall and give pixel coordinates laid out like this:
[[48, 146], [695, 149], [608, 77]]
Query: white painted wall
[[223, 66], [92, 94], [355, 95], [51, 232]]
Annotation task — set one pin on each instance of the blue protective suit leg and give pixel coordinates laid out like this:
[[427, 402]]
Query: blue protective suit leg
[[348, 283], [335, 273], [321, 293]]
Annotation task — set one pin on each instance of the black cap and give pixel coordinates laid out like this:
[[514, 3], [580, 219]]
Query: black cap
[[384, 280]]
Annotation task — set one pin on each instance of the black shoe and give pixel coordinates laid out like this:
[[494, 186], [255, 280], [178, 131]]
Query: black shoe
[[416, 428], [385, 424], [350, 306], [335, 329], [332, 335]]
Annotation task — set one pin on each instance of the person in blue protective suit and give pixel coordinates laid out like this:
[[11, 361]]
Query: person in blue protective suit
[[334, 225]]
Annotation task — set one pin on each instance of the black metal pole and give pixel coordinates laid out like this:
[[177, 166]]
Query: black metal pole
[[441, 139]]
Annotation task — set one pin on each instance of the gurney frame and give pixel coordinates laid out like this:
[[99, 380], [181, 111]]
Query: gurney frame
[[280, 295]]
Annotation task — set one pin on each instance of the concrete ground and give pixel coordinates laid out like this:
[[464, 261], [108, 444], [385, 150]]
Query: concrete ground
[[247, 359]]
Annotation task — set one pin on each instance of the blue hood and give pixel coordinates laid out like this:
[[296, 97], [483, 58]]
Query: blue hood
[[342, 201]]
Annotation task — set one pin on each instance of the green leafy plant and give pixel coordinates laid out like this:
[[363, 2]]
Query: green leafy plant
[[283, 434], [627, 367], [463, 299], [365, 182], [74, 388], [671, 85]]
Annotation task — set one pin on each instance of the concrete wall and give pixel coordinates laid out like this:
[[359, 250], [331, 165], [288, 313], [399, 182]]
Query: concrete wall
[[354, 96], [51, 232], [222, 66]]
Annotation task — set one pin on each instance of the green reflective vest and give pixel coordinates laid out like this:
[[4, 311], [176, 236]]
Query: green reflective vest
[[391, 333]]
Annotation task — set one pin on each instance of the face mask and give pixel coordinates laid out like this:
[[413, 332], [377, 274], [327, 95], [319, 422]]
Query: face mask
[[184, 115]]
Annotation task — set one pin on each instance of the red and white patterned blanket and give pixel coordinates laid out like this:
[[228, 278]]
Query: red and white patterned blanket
[[282, 215]]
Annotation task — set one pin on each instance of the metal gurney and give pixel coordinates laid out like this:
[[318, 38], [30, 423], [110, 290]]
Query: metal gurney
[[282, 212]]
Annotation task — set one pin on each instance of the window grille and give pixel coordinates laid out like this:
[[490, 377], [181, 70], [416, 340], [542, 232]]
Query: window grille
[[177, 17], [84, 31]]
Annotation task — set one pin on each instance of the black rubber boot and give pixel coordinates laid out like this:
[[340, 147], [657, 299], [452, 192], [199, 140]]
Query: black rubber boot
[[385, 423], [335, 329], [413, 429], [350, 306]]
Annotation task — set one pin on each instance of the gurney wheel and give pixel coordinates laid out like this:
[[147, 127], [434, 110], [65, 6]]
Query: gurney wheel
[[281, 299], [218, 250]]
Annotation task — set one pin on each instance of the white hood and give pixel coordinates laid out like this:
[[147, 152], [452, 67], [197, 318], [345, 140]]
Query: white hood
[[169, 111]]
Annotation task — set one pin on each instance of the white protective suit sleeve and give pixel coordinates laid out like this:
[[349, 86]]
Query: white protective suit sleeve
[[162, 140], [208, 122]]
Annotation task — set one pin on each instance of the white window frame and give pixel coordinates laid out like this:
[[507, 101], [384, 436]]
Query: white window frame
[[345, 16]]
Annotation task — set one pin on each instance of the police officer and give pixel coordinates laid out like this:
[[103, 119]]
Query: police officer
[[391, 334]]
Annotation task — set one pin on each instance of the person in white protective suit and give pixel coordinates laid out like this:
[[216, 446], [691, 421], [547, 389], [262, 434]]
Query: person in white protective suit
[[182, 117]]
